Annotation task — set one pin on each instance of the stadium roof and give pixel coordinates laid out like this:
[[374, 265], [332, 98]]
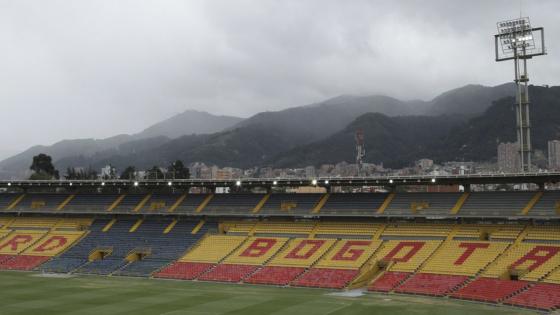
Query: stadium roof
[[510, 178]]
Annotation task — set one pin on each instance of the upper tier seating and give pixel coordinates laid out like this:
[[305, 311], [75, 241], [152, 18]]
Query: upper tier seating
[[496, 204], [547, 206], [239, 227], [7, 199], [290, 204], [222, 204], [496, 232], [90, 203], [190, 203], [422, 204], [40, 202], [128, 203], [160, 203], [363, 204]]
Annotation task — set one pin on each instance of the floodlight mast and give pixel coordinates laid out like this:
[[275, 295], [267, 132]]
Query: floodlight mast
[[518, 43]]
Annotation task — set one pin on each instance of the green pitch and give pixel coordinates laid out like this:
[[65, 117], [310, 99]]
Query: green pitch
[[30, 293]]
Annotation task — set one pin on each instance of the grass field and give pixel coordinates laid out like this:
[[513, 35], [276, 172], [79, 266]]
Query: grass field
[[30, 293]]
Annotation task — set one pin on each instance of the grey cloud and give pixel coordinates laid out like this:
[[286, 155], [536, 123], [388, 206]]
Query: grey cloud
[[73, 69]]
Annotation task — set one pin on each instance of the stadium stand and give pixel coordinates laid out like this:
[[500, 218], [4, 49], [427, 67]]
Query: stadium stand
[[361, 204], [422, 204], [335, 241], [496, 204]]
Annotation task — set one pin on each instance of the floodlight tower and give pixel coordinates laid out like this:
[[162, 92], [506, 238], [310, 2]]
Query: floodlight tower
[[518, 41], [360, 150]]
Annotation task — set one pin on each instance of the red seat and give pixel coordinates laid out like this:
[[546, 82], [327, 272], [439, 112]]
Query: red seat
[[23, 262], [183, 270], [275, 275], [431, 284], [388, 281], [489, 289], [542, 296], [326, 278], [228, 273]]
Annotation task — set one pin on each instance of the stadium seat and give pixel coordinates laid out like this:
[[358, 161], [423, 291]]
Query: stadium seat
[[539, 296], [388, 281], [490, 290], [326, 278], [275, 275], [431, 284], [228, 273]]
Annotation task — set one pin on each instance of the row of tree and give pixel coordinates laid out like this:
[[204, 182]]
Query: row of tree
[[43, 169]]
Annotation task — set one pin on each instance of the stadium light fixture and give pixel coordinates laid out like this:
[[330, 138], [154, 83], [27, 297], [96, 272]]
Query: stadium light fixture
[[169, 183], [314, 182], [274, 183], [326, 182], [135, 184], [9, 184], [238, 183], [390, 181], [70, 184], [102, 183], [433, 180]]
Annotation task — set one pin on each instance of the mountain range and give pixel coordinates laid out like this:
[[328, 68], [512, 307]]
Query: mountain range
[[397, 132]]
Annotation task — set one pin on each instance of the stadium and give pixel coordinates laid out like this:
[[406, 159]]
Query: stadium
[[496, 247]]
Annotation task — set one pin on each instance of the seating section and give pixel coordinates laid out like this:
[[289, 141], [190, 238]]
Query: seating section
[[496, 204], [388, 281], [422, 204], [548, 205], [290, 204], [275, 275], [352, 204], [222, 204], [326, 278], [406, 256], [530, 261], [515, 262], [490, 290], [539, 296], [464, 257], [431, 284]]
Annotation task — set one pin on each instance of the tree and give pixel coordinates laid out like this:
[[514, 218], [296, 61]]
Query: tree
[[43, 167], [177, 170], [154, 173], [128, 173]]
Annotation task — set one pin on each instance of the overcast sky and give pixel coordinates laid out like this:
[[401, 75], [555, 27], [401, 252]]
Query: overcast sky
[[92, 69]]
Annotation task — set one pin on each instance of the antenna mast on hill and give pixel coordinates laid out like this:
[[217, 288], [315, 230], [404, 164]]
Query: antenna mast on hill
[[517, 41], [360, 150]]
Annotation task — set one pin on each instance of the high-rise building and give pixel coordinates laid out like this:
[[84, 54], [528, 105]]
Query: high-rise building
[[508, 157], [554, 155]]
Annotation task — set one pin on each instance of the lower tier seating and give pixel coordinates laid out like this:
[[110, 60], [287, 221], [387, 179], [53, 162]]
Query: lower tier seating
[[183, 270], [388, 281], [490, 290], [228, 273], [326, 278], [431, 284], [23, 262], [275, 275], [539, 296]]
